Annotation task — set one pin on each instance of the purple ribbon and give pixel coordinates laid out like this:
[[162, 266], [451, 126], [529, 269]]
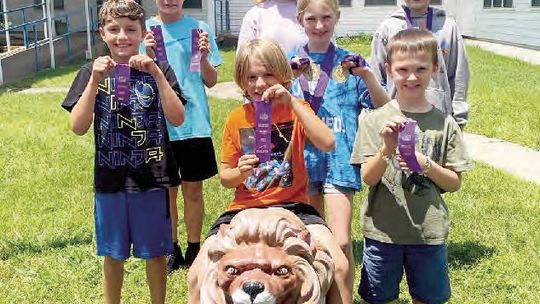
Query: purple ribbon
[[302, 61], [406, 145], [161, 53], [195, 63], [263, 129], [315, 100], [122, 74], [429, 18], [358, 60]]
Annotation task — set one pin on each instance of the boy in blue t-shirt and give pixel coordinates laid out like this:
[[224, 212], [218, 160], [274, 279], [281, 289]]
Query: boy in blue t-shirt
[[192, 143], [134, 166]]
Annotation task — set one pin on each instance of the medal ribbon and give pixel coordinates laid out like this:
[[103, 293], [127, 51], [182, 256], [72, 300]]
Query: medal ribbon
[[429, 18], [406, 145], [315, 100]]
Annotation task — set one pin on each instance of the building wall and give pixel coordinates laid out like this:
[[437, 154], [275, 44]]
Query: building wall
[[518, 25]]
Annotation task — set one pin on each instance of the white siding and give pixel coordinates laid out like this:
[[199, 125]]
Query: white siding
[[237, 9], [517, 25]]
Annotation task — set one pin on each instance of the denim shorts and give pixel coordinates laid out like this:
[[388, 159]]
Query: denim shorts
[[426, 268], [327, 188], [138, 218]]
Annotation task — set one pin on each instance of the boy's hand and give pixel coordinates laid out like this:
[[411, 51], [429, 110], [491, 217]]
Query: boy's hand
[[204, 45], [246, 163], [150, 44], [390, 134], [145, 64], [420, 158], [101, 67], [277, 93]]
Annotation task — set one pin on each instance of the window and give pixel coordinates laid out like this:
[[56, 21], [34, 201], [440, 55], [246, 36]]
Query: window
[[380, 2], [345, 3], [59, 4], [192, 4], [499, 3], [436, 2], [535, 3]]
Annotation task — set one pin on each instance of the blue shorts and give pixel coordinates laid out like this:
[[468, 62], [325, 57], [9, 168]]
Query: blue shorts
[[327, 188], [426, 268], [138, 218]]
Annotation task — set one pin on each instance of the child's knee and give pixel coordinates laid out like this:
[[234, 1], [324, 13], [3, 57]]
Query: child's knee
[[341, 264]]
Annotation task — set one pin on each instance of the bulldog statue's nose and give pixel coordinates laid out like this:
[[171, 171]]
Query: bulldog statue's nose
[[253, 288]]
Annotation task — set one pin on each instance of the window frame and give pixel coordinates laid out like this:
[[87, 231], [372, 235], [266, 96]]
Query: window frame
[[502, 5]]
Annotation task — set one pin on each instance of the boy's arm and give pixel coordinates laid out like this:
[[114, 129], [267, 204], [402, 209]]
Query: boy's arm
[[444, 178], [208, 71], [317, 131], [232, 176], [378, 54], [458, 78], [82, 112], [173, 109]]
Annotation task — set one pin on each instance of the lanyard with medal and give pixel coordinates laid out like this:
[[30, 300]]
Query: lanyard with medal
[[429, 19], [315, 99]]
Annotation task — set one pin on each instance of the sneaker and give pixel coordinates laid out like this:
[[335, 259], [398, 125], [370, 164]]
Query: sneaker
[[191, 253], [175, 260]]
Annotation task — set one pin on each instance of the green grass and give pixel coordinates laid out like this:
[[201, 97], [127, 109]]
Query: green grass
[[504, 97], [47, 250]]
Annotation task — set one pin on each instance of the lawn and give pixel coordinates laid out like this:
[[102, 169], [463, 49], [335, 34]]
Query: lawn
[[47, 250], [504, 94]]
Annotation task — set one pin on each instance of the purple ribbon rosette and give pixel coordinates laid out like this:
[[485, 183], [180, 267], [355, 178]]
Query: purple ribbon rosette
[[302, 61], [122, 75], [195, 63], [406, 145], [358, 61], [263, 130], [161, 53]]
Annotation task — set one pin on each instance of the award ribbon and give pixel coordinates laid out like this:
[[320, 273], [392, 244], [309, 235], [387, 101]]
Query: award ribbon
[[195, 63], [121, 82], [406, 145], [429, 18], [161, 53], [316, 99], [263, 129]]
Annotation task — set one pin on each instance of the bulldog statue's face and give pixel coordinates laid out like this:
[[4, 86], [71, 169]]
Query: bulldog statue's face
[[259, 275]]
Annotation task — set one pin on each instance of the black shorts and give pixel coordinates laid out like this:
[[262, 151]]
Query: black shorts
[[306, 213], [195, 158]]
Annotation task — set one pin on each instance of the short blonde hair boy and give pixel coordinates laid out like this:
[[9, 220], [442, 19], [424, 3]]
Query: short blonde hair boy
[[412, 41], [270, 54], [119, 9]]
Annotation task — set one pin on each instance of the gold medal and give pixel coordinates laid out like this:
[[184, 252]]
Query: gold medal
[[340, 74], [313, 71]]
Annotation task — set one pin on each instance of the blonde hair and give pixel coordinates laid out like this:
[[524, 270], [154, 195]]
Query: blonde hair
[[270, 54], [413, 41], [274, 227], [303, 4], [121, 8]]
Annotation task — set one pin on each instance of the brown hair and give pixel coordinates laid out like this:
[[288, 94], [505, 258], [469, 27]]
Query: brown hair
[[121, 8], [271, 56], [412, 41]]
